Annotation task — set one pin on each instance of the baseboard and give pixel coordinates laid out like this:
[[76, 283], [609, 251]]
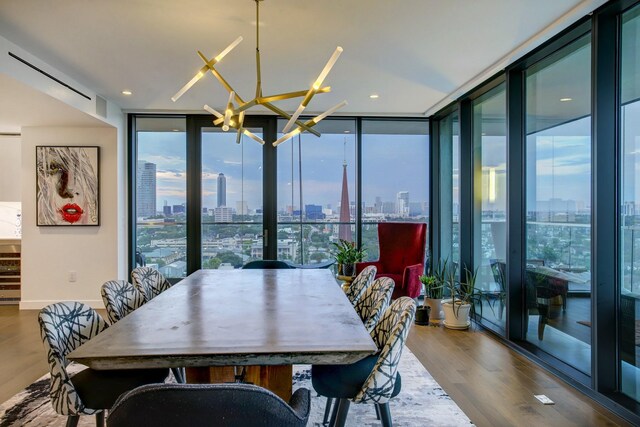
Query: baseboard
[[38, 304]]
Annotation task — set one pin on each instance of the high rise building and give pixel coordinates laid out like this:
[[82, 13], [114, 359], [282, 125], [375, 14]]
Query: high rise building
[[402, 203], [222, 190], [145, 189]]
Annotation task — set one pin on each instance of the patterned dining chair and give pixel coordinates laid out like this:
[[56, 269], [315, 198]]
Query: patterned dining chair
[[120, 298], [194, 405], [374, 379], [64, 327], [149, 282], [361, 283], [373, 302]]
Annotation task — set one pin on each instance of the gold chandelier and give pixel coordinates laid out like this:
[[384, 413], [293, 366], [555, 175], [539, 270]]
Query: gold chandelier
[[233, 116]]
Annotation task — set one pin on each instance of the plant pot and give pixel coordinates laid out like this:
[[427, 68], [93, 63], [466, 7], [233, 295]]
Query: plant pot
[[348, 269], [422, 315], [436, 308], [456, 314]]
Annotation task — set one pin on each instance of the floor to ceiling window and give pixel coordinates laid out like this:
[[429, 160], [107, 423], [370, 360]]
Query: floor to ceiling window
[[316, 191], [232, 229], [161, 196], [558, 205], [449, 144], [395, 176], [490, 241], [629, 234]]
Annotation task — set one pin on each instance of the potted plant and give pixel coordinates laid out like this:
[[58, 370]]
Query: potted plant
[[434, 285], [346, 255], [422, 312], [463, 295]]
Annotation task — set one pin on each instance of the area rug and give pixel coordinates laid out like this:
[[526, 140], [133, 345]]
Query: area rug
[[422, 402]]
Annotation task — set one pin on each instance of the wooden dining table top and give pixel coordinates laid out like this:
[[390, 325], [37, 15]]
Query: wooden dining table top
[[235, 317]]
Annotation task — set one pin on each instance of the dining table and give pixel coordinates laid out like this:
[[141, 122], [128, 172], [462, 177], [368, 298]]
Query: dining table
[[215, 320]]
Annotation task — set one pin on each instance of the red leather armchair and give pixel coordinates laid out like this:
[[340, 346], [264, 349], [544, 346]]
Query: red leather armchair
[[402, 247]]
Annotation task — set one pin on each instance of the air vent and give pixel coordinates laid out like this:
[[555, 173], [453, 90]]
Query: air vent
[[44, 73], [101, 106]]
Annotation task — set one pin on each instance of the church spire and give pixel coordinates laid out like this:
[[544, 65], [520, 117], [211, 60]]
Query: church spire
[[344, 230]]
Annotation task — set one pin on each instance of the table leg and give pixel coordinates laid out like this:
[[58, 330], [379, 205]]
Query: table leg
[[278, 379]]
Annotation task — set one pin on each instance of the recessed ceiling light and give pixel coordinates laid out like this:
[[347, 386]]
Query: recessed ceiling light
[[566, 99], [347, 131], [374, 96], [176, 130], [126, 92]]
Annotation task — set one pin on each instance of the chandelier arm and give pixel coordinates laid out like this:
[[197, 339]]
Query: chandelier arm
[[258, 73], [287, 116], [226, 85], [242, 108], [289, 95]]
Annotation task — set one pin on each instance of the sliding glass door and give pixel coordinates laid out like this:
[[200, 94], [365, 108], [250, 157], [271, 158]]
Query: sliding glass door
[[558, 205]]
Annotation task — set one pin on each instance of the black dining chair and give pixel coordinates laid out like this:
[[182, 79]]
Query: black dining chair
[[194, 405], [266, 264]]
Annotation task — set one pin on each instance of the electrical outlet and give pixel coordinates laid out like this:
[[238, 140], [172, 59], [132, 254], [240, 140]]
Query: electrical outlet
[[73, 276], [543, 399]]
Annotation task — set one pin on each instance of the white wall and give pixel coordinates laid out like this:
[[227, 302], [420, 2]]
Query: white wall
[[10, 171], [50, 253]]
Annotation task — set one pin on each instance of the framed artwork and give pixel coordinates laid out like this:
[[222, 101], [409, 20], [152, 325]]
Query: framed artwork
[[67, 187]]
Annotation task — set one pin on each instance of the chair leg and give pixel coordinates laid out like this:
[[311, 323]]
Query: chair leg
[[72, 420], [341, 411], [327, 411], [179, 375], [377, 412], [100, 419], [385, 414], [541, 324]]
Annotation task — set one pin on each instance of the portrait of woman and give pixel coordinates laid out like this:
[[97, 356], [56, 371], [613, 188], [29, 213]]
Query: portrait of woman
[[67, 185]]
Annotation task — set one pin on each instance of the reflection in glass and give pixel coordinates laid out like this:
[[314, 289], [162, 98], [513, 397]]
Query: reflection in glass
[[558, 205], [450, 189], [316, 191], [231, 199], [395, 176], [629, 233], [490, 141], [161, 232]]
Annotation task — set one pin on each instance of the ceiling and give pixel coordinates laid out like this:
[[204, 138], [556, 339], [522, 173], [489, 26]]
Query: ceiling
[[22, 105], [413, 53]]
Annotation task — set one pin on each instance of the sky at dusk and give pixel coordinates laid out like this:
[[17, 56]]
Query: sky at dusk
[[391, 163]]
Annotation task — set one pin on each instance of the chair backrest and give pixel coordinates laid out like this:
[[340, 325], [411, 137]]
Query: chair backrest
[[120, 298], [193, 405], [149, 282], [64, 326], [401, 244], [266, 264], [498, 268], [389, 335], [374, 301], [361, 283]]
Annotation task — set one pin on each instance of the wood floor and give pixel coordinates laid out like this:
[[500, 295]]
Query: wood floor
[[494, 385], [491, 383]]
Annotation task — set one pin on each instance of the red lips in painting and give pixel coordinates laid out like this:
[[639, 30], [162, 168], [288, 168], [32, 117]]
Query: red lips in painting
[[71, 212]]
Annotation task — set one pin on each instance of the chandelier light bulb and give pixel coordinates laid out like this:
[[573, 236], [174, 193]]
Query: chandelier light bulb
[[186, 87], [327, 68], [212, 111], [314, 88], [229, 48]]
